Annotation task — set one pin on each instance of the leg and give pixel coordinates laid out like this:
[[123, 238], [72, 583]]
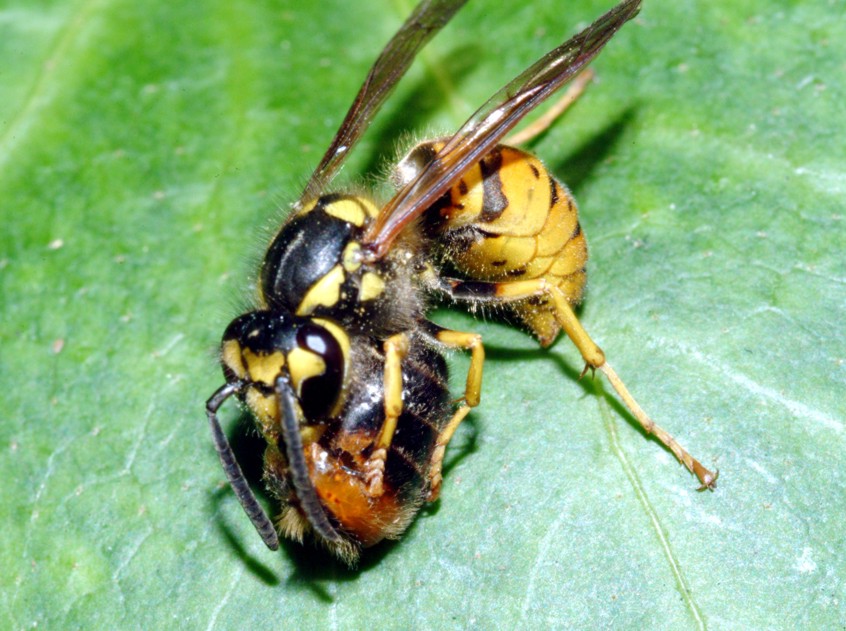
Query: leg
[[437, 464], [396, 348], [559, 107], [463, 341], [593, 355], [472, 395]]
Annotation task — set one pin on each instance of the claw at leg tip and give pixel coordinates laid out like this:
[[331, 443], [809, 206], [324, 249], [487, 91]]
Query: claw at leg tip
[[708, 479], [587, 367]]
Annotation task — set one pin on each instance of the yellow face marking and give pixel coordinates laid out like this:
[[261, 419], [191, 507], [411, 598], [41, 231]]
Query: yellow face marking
[[303, 364], [351, 260], [264, 368], [324, 293], [265, 407], [349, 210], [372, 286], [230, 355]]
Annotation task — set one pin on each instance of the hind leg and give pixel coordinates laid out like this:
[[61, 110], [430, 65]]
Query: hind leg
[[477, 291], [472, 394]]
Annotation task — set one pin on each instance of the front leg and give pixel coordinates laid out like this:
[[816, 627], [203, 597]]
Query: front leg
[[396, 349]]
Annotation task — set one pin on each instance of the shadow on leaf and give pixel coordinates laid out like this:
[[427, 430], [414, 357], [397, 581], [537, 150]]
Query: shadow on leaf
[[313, 564], [577, 167]]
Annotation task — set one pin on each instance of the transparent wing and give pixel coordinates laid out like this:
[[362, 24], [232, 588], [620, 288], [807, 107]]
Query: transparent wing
[[490, 123], [428, 18]]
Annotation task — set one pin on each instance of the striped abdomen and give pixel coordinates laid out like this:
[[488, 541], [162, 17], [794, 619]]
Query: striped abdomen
[[509, 219]]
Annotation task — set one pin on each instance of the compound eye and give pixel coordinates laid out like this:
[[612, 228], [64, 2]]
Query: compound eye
[[317, 367]]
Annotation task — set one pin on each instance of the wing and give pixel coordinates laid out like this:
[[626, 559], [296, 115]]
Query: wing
[[478, 136], [428, 18]]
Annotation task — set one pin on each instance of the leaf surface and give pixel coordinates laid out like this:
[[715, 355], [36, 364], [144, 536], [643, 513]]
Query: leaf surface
[[147, 150]]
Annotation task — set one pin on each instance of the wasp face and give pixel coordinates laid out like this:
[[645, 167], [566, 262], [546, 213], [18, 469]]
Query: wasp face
[[261, 346]]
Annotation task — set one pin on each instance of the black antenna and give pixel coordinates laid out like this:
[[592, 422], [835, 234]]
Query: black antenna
[[232, 469], [297, 467]]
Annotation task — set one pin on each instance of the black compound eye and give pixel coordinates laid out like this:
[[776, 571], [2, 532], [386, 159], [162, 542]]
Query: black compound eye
[[317, 369]]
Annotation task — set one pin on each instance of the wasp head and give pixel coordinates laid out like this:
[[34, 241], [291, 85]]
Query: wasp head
[[312, 353]]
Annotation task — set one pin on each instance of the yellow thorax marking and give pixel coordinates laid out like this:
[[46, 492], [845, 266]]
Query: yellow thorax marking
[[324, 293], [372, 286], [351, 259], [303, 364], [311, 433], [369, 207], [347, 209], [307, 208]]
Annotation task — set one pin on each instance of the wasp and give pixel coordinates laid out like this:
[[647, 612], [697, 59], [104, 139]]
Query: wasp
[[339, 365]]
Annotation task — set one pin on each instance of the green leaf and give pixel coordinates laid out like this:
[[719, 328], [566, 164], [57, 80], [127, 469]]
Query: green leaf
[[147, 150]]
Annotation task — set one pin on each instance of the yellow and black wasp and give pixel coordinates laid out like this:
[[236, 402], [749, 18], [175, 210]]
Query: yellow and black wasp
[[338, 362]]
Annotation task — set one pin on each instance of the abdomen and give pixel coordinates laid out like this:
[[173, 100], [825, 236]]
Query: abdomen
[[509, 219]]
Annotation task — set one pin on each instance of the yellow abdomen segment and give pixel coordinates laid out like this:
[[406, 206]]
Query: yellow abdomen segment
[[508, 219]]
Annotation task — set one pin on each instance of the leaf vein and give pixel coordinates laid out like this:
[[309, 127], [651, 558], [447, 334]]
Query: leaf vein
[[38, 94], [651, 513]]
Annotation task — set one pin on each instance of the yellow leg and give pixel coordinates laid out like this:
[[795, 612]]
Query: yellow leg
[[436, 467], [576, 89], [593, 355], [396, 349], [595, 359], [472, 395], [473, 343]]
